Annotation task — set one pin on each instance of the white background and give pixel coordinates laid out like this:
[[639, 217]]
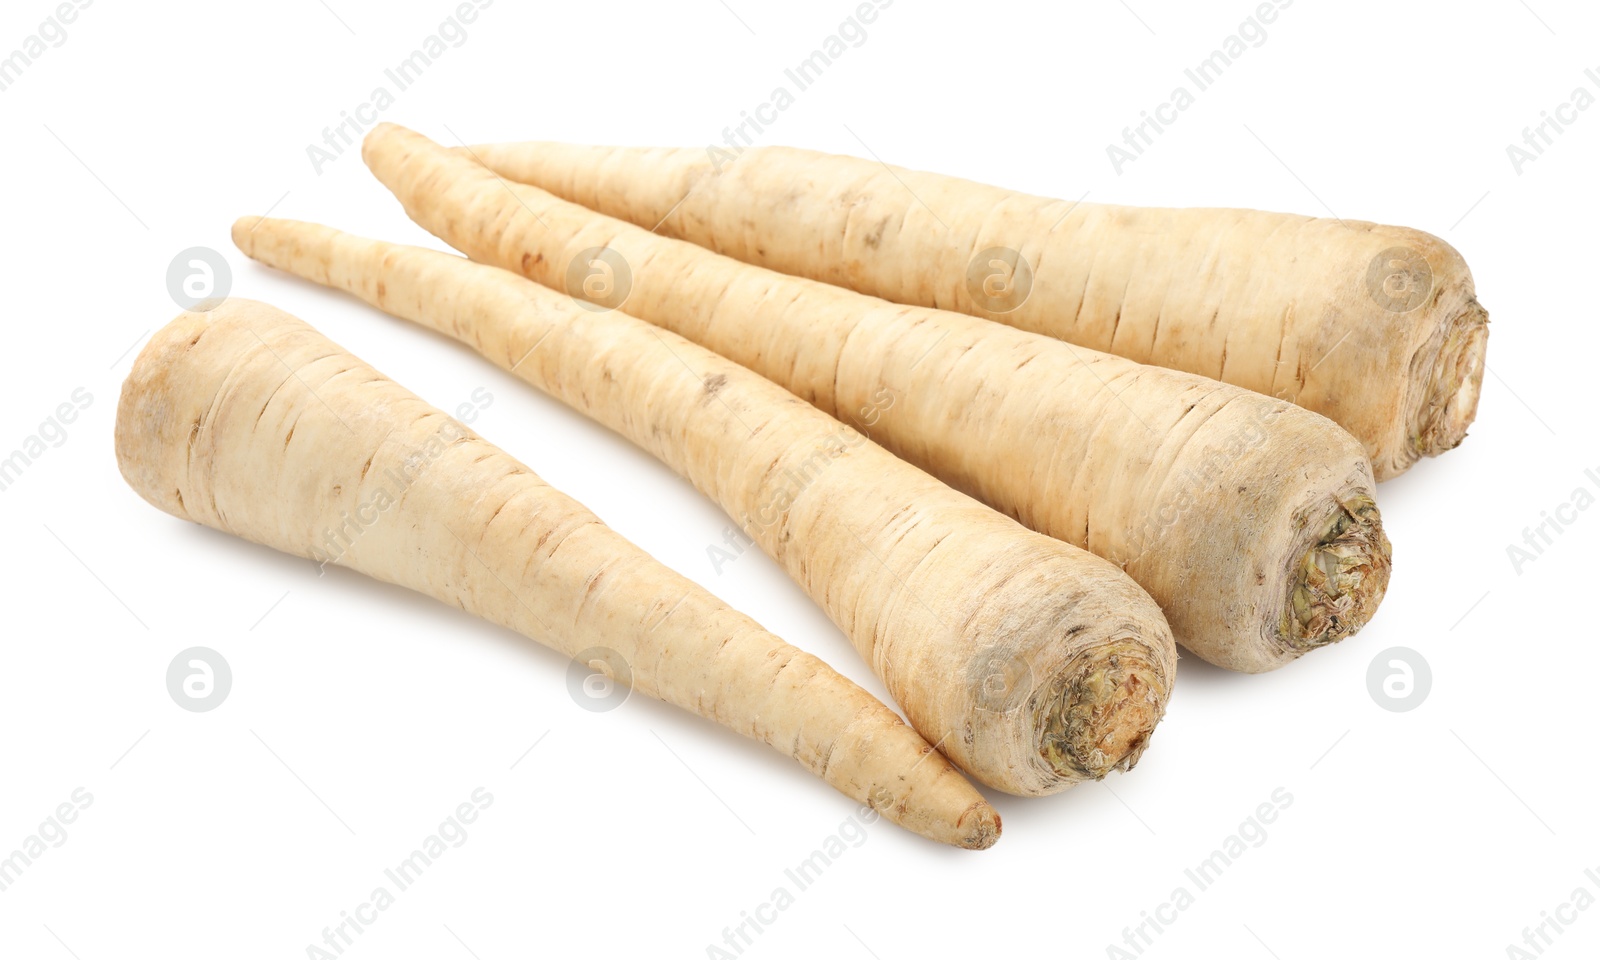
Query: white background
[[361, 715]]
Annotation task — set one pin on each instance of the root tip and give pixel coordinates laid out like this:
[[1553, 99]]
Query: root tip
[[980, 826]]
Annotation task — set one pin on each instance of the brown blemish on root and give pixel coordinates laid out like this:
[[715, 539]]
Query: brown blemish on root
[[876, 236], [1340, 581]]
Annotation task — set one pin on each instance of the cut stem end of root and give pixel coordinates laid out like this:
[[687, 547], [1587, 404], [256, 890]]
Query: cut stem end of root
[[1451, 402], [1101, 717], [1341, 579]]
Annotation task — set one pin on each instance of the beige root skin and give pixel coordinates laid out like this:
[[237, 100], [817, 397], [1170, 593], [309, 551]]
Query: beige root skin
[[939, 593], [249, 421], [1201, 491], [1276, 303]]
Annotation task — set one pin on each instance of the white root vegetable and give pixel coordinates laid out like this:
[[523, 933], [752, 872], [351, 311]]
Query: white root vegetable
[[1376, 327], [1032, 664], [1250, 520], [249, 421]]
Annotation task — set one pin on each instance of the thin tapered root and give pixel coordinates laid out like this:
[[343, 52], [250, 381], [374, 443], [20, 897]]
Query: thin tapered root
[[1207, 495], [251, 422], [1049, 639]]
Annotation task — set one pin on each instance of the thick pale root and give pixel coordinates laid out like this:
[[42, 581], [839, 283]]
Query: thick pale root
[[1033, 664], [1209, 496], [249, 421], [1376, 327]]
